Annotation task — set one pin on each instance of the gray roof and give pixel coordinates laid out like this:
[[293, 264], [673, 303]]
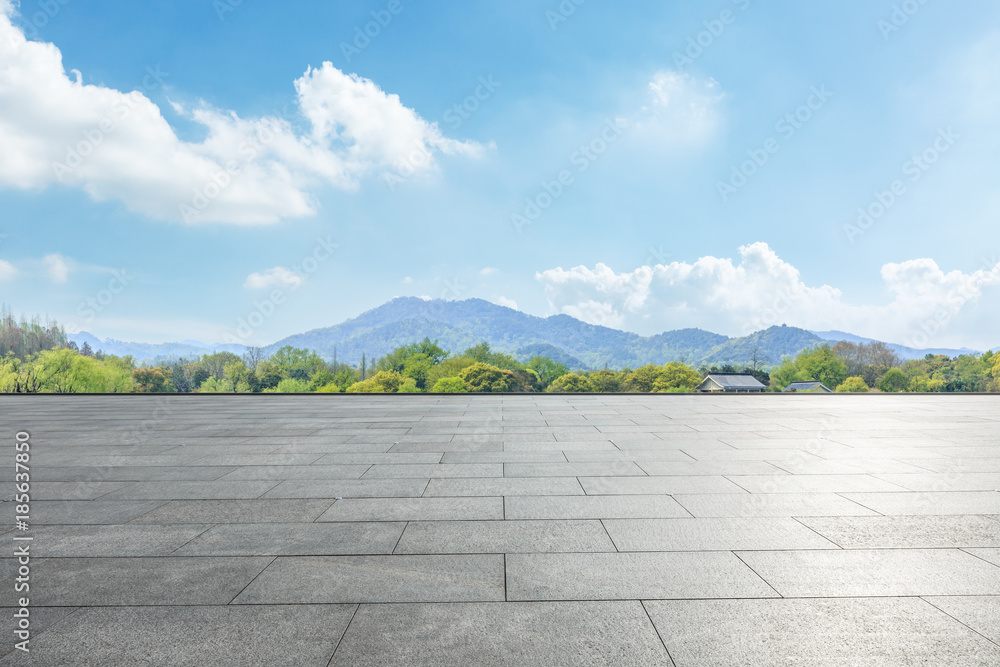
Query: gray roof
[[806, 386], [728, 381]]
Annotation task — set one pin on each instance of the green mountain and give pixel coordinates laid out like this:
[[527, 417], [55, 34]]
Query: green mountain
[[457, 325]]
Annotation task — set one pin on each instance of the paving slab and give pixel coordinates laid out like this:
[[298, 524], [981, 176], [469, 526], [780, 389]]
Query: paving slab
[[907, 532], [546, 634], [434, 471], [816, 633], [415, 509], [713, 534], [236, 511], [507, 486], [471, 537], [129, 540], [295, 539], [361, 488], [596, 486], [929, 502], [215, 490], [770, 504], [981, 612], [592, 507], [72, 582], [186, 636], [874, 572], [341, 579], [631, 576]]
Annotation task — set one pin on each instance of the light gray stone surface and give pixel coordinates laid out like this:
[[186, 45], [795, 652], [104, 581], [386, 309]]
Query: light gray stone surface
[[550, 634], [508, 529], [882, 632]]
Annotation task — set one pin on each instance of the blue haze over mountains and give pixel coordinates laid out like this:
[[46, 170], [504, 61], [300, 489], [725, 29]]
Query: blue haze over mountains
[[458, 325]]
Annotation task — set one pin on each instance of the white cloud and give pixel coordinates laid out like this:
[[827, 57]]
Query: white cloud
[[681, 108], [488, 271], [7, 270], [118, 146], [407, 280], [56, 267], [504, 301], [278, 276], [929, 308]]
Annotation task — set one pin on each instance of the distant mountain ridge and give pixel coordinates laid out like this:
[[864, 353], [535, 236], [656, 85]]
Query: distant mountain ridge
[[458, 325]]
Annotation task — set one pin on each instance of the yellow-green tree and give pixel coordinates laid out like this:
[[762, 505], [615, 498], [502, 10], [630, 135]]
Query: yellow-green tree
[[855, 385]]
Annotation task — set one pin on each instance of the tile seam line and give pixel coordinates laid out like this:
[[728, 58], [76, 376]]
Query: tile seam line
[[642, 604], [333, 655], [758, 575]]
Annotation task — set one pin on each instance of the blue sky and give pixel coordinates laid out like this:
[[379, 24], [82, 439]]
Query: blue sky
[[170, 169]]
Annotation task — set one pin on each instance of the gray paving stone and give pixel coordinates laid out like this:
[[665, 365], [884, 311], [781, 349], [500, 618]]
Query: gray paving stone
[[129, 540], [713, 534], [656, 485], [771, 504], [990, 555], [907, 532], [593, 507], [415, 509], [949, 481], [815, 633], [53, 512], [237, 458], [812, 483], [954, 465], [630, 576], [471, 537], [192, 636], [439, 470], [72, 490], [847, 466], [564, 469], [923, 503], [663, 468], [981, 613], [550, 456], [636, 455], [884, 572], [236, 511], [215, 490], [508, 486], [62, 582], [546, 634], [326, 472], [128, 473], [336, 579], [364, 458], [360, 488], [295, 539]]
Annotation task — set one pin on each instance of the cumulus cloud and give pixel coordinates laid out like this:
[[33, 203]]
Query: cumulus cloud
[[279, 276], [504, 301], [7, 270], [117, 145], [56, 267], [928, 307]]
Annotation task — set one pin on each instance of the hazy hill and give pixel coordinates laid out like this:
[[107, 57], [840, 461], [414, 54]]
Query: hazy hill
[[458, 325], [905, 353]]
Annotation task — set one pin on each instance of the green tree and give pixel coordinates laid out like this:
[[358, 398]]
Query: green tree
[[484, 355], [450, 367], [855, 384], [547, 369], [383, 382], [408, 386], [820, 363], [606, 381], [571, 383], [292, 386], [893, 380], [152, 380], [676, 377], [65, 371], [214, 385], [297, 363], [452, 385], [481, 377]]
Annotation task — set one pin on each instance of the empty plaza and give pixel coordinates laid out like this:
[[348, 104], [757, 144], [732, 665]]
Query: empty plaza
[[504, 530]]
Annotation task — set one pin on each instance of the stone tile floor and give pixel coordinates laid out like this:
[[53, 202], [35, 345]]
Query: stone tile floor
[[506, 530]]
